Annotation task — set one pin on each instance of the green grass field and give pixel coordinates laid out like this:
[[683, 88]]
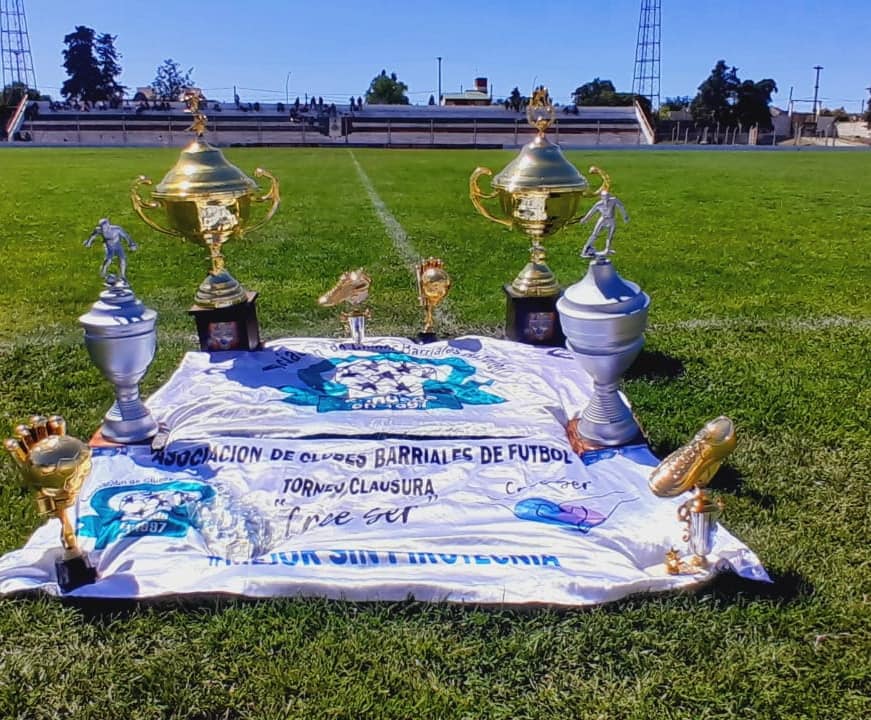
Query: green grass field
[[758, 265]]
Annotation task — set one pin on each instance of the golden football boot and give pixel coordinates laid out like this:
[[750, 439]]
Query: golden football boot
[[694, 464]]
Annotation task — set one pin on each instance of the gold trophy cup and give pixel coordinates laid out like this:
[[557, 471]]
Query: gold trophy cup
[[55, 465], [433, 285], [539, 192], [206, 199]]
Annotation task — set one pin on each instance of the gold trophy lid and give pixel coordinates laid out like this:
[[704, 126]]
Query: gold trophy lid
[[541, 164], [202, 170]]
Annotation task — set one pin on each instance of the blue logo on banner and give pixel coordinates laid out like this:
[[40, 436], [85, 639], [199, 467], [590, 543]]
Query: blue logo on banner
[[389, 381], [144, 509], [569, 515]]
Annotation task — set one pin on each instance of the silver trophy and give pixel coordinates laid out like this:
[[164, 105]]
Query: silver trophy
[[604, 317], [121, 339]]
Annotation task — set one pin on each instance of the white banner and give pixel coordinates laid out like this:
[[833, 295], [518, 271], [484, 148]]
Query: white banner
[[513, 518], [303, 387]]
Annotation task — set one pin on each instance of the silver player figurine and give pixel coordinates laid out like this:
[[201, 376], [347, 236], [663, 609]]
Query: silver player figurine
[[605, 206], [112, 236]]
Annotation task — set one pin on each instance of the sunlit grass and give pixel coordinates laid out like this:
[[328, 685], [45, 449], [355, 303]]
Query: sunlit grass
[[758, 266]]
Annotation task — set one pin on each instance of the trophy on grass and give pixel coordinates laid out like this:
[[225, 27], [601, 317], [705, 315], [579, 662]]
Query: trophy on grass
[[121, 339], [433, 285], [208, 200], [604, 317], [692, 467], [539, 193], [55, 465], [352, 287]]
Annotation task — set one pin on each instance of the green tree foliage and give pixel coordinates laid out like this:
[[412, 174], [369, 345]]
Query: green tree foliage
[[110, 70], [680, 102], [724, 98], [600, 92], [516, 101], [84, 81], [170, 80], [387, 90], [92, 66]]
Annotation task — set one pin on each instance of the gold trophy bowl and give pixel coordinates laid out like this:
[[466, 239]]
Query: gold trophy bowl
[[206, 199], [538, 193]]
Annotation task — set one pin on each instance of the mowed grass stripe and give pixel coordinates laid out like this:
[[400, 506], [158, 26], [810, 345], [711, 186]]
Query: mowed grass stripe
[[443, 317]]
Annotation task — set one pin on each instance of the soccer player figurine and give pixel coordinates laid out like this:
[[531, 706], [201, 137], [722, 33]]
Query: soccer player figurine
[[112, 236], [605, 206]]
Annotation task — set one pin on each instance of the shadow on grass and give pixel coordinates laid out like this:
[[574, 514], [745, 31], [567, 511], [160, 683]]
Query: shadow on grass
[[655, 366], [729, 480]]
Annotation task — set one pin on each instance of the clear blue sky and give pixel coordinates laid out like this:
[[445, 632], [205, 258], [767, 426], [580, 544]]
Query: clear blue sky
[[334, 48]]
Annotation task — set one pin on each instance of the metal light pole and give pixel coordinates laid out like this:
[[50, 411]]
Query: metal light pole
[[286, 93], [816, 91], [440, 79]]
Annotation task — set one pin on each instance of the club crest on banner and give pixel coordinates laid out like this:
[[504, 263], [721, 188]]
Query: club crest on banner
[[164, 509], [390, 381]]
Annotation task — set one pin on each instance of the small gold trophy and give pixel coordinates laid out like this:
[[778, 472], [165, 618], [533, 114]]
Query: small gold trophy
[[55, 465], [433, 284], [352, 288], [208, 200], [539, 193], [693, 466]]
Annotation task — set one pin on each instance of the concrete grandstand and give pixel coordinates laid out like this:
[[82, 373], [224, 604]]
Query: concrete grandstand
[[373, 125]]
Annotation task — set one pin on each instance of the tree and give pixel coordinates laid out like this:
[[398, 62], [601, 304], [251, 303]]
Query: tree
[[600, 92], [110, 70], [724, 98], [516, 101], [431, 100], [84, 79], [680, 102], [170, 81], [386, 90], [92, 65]]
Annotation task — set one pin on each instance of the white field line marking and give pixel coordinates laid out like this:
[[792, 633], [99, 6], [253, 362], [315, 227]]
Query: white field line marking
[[63, 335], [401, 242]]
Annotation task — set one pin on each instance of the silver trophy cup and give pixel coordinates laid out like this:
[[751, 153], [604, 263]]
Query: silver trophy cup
[[604, 317], [121, 339]]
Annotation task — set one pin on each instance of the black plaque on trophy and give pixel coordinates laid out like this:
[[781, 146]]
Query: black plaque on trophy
[[74, 572], [532, 319], [233, 327], [424, 338]]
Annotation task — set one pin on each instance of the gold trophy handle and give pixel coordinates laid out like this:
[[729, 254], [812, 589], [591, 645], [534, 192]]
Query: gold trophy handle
[[139, 205], [476, 195], [271, 194], [606, 181]]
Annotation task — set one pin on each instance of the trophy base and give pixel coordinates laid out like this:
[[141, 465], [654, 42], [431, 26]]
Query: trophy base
[[424, 338], [138, 426], [228, 328], [74, 572], [219, 290], [532, 319]]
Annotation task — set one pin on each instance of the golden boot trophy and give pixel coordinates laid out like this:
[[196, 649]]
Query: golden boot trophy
[[433, 285], [352, 287], [693, 466], [55, 465]]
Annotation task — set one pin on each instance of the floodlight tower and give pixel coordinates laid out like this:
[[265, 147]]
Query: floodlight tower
[[16, 62], [645, 81]]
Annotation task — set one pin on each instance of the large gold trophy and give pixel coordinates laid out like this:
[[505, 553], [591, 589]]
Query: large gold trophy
[[539, 192], [55, 465], [206, 199]]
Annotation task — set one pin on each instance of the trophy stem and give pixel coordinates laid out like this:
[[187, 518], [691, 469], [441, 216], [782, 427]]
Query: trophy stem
[[128, 420], [68, 535], [217, 257], [536, 279], [607, 419], [357, 328]]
